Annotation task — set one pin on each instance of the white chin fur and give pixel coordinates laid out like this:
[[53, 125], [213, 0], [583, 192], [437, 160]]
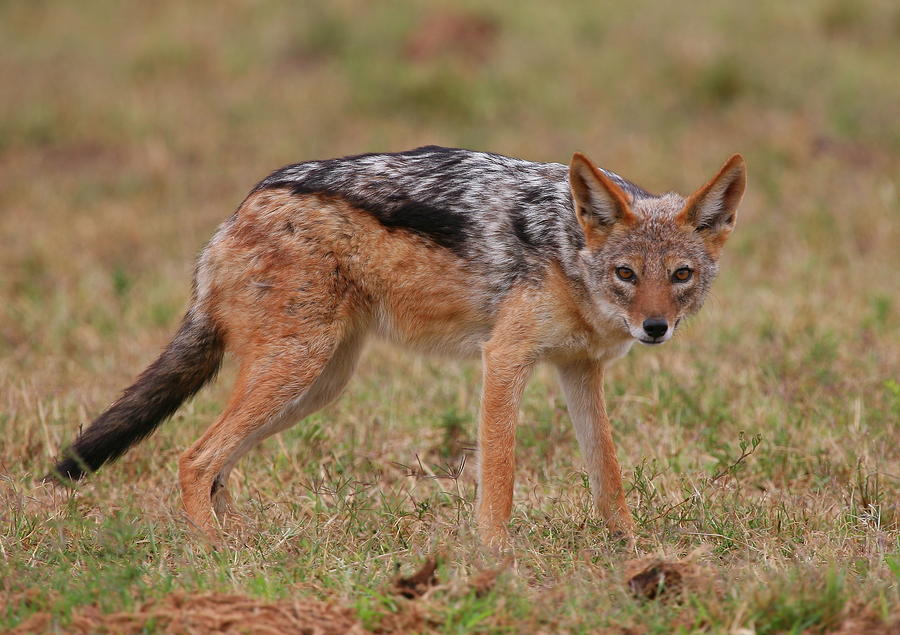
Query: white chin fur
[[643, 338]]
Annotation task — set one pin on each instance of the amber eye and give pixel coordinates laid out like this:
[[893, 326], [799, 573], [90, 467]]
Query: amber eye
[[625, 274], [682, 275]]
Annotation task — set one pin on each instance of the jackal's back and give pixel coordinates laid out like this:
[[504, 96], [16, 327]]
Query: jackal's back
[[509, 215]]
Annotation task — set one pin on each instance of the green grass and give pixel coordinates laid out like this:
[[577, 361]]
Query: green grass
[[128, 132]]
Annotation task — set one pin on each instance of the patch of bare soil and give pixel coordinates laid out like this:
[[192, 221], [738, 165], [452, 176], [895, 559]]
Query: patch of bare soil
[[208, 613], [467, 36]]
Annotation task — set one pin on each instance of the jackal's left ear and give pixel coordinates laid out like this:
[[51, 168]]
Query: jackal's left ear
[[712, 209], [599, 202]]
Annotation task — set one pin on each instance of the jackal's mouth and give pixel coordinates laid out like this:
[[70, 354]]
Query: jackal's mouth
[[652, 341], [644, 338]]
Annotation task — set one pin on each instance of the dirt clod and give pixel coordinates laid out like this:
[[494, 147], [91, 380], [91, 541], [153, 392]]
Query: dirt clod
[[417, 584], [654, 577], [655, 581]]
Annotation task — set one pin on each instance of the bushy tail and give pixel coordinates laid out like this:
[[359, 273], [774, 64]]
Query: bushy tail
[[190, 361]]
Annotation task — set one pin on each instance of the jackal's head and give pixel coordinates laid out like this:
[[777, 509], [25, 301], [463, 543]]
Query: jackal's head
[[650, 261]]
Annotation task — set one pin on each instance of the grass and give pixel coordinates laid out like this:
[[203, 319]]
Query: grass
[[761, 443]]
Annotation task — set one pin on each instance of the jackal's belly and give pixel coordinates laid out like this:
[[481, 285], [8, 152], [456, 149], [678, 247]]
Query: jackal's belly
[[428, 330]]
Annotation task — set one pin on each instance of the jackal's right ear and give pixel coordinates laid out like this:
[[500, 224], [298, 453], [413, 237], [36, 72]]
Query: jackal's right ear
[[599, 203]]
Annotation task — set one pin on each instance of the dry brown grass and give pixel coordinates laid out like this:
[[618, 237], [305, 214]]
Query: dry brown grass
[[207, 613]]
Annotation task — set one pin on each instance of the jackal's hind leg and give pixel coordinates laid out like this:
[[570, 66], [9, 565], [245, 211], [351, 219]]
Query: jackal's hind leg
[[323, 390], [273, 390]]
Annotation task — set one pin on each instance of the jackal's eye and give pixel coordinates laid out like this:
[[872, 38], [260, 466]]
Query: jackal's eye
[[682, 275], [625, 274]]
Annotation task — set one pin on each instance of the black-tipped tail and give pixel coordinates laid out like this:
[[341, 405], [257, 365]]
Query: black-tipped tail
[[190, 361]]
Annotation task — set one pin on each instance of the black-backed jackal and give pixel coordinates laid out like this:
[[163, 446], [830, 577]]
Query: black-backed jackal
[[445, 250]]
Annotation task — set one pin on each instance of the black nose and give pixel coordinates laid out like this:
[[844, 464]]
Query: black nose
[[655, 327]]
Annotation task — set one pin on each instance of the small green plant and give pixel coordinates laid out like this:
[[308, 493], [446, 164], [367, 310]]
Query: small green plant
[[805, 601]]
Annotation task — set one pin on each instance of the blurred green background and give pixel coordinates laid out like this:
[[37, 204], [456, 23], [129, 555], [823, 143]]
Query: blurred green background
[[129, 130], [176, 109]]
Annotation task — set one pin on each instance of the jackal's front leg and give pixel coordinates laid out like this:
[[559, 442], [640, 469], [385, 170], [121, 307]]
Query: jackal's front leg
[[582, 383], [506, 370]]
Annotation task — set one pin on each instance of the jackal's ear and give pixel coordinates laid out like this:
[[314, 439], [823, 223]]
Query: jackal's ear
[[712, 209], [599, 202]]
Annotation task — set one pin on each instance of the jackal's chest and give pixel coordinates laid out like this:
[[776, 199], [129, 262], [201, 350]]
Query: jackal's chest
[[590, 346]]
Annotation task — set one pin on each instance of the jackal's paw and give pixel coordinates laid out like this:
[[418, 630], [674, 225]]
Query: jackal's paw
[[208, 536], [621, 527], [495, 537]]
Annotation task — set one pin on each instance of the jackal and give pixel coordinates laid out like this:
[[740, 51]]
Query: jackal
[[446, 250]]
